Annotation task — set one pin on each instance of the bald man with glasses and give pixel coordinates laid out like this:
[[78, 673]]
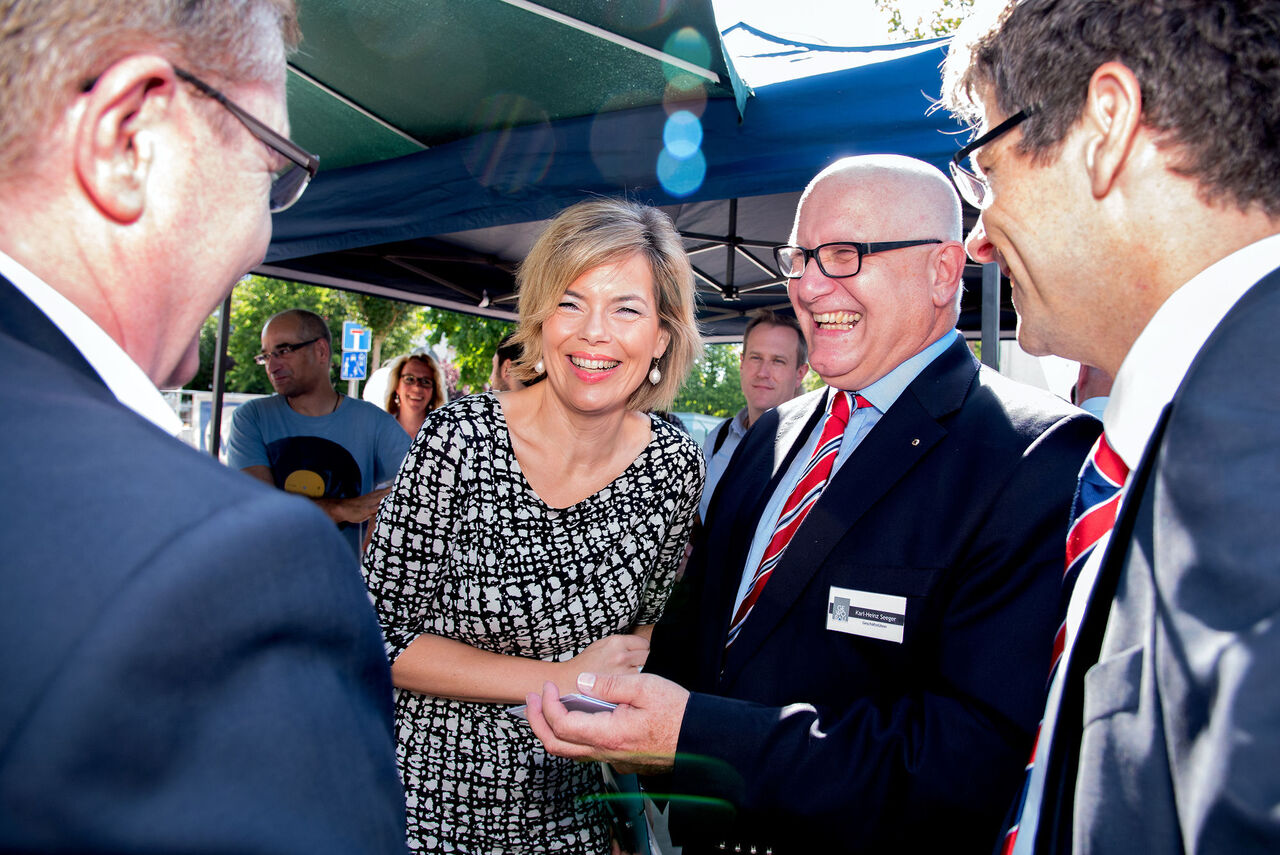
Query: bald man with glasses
[[309, 438], [861, 659], [189, 660]]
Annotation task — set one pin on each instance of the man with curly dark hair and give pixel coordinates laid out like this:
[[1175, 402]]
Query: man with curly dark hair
[[1127, 173]]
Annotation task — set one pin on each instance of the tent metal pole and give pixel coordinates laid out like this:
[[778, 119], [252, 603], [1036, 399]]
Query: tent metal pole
[[220, 376], [731, 292], [991, 315]]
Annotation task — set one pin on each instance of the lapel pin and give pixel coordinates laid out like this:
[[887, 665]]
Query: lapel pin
[[915, 441]]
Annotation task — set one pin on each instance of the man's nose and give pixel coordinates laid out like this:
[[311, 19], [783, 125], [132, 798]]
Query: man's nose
[[812, 283], [979, 247]]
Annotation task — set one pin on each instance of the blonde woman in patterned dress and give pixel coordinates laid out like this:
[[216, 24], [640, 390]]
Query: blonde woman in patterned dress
[[535, 533]]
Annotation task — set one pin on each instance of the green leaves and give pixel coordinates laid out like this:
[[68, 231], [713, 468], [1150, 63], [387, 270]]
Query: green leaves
[[713, 386], [396, 326], [474, 341]]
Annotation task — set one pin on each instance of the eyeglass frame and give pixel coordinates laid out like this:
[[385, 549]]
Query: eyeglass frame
[[278, 143], [283, 350], [972, 180], [415, 380], [864, 249]]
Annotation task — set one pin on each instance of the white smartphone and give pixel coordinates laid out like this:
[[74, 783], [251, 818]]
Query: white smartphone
[[574, 703]]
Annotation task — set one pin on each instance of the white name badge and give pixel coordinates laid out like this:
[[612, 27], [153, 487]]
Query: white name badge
[[881, 616]]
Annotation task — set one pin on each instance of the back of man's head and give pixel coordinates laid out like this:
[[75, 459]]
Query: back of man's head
[[1209, 71], [51, 50], [144, 193], [509, 349]]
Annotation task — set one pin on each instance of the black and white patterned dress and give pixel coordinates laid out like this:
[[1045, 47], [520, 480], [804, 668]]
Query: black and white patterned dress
[[464, 548]]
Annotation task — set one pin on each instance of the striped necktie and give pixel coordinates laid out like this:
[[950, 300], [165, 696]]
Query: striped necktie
[[802, 499], [1093, 513]]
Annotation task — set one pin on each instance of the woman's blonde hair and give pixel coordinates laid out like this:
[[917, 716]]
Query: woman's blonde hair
[[604, 231], [393, 382]]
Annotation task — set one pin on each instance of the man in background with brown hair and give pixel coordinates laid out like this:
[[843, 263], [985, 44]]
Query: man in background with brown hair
[[189, 659], [1126, 171], [775, 359]]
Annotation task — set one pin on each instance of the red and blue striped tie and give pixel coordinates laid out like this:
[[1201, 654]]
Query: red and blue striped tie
[[1093, 513], [802, 499]]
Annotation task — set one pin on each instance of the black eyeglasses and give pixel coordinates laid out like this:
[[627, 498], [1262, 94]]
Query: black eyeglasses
[[973, 188], [282, 351], [288, 183], [838, 260], [418, 381]]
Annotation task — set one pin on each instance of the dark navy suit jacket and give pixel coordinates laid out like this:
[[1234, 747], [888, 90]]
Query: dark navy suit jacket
[[957, 501], [188, 659], [1169, 734]]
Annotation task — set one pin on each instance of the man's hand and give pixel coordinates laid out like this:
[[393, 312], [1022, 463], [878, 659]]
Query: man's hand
[[639, 736], [354, 510]]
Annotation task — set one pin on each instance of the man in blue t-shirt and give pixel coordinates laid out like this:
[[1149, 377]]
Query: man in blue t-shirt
[[309, 438]]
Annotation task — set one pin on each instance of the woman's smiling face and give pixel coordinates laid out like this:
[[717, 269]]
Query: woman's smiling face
[[601, 340]]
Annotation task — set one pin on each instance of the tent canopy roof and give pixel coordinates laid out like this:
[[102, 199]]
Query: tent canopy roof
[[446, 225]]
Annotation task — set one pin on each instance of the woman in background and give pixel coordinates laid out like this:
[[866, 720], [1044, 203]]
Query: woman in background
[[535, 533], [416, 387]]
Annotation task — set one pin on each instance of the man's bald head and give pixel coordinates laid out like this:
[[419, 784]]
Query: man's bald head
[[917, 198], [860, 327]]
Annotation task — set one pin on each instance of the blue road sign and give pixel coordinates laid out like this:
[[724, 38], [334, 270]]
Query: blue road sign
[[354, 365], [355, 337]]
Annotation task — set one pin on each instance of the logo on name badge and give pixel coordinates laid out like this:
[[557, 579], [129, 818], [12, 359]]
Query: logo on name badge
[[868, 614]]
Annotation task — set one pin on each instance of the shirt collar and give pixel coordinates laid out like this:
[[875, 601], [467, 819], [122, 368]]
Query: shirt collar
[[123, 377], [1153, 369], [888, 388]]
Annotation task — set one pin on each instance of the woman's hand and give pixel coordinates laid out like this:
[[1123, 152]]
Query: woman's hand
[[616, 654]]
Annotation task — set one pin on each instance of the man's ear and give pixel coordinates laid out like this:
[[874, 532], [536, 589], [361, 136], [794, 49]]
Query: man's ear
[[1112, 116], [948, 269], [505, 371], [116, 133]]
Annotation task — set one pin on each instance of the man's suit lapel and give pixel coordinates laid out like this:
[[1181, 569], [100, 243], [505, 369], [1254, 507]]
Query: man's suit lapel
[[1054, 833], [21, 319], [753, 484], [901, 438]]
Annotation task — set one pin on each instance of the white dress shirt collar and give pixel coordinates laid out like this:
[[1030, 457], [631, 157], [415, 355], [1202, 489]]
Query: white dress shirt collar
[[123, 377], [1154, 367]]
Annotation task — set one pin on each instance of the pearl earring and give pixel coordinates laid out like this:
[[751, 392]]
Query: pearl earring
[[655, 375], [539, 367]]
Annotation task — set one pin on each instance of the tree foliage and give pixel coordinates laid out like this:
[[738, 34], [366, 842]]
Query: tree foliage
[[943, 19], [473, 339], [395, 326], [713, 385]]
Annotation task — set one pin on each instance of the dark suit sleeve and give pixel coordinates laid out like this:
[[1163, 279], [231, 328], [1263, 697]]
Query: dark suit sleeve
[[672, 643], [908, 760], [1217, 572], [231, 696]]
